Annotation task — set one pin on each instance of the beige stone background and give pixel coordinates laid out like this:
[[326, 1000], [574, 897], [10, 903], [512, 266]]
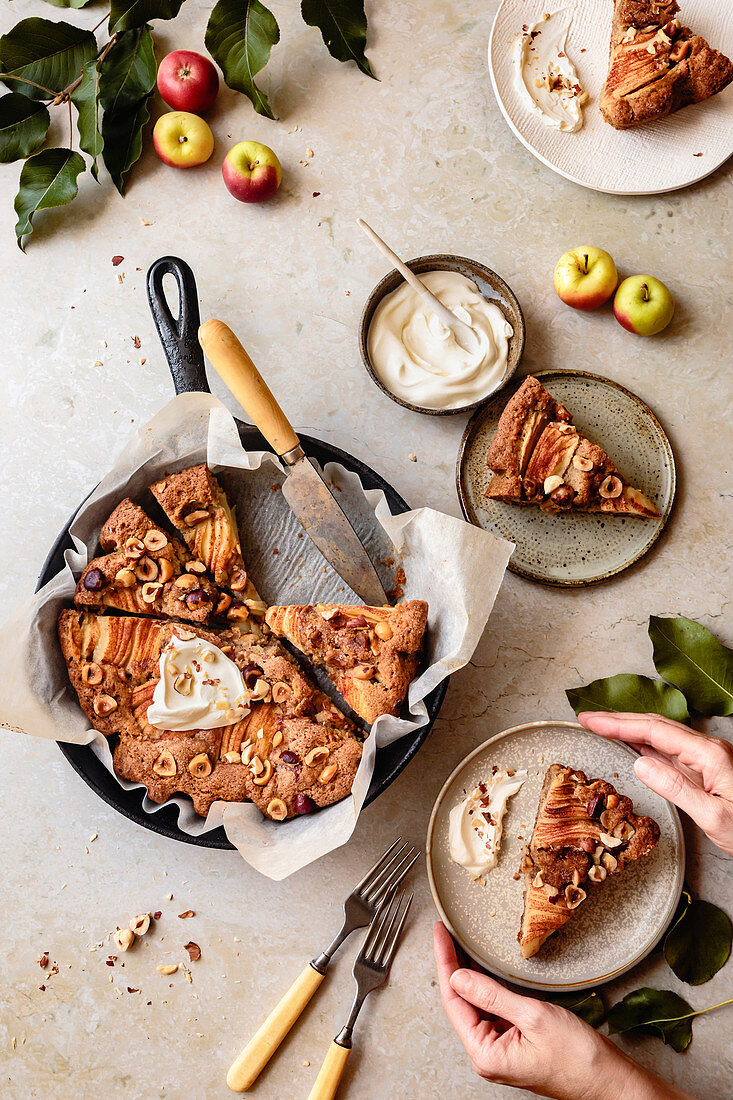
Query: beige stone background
[[425, 155]]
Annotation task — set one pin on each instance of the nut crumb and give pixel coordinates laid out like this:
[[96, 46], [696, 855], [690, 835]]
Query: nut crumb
[[309, 152], [167, 968], [305, 1063], [188, 913], [194, 951], [117, 260], [120, 277], [412, 458]]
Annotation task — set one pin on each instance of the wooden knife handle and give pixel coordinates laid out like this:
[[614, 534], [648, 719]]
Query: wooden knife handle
[[329, 1076], [245, 1070], [241, 376]]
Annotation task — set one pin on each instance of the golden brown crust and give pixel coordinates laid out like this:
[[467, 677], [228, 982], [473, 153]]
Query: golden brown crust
[[370, 653], [126, 651], [535, 441], [656, 66], [584, 831]]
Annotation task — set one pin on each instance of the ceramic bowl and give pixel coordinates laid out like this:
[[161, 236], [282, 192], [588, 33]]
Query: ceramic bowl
[[490, 286]]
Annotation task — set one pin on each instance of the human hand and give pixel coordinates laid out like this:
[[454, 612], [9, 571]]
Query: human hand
[[690, 769], [520, 1041]]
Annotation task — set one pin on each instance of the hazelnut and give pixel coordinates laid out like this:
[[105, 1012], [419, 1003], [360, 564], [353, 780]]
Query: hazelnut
[[328, 773], [261, 689], [165, 570], [554, 481], [280, 691], [383, 630], [167, 968], [256, 765], [609, 862], [185, 635], [563, 497], [597, 874], [588, 844], [529, 488], [304, 804], [233, 757], [265, 775], [200, 766], [610, 841], [238, 582], [238, 612], [185, 581], [329, 613], [91, 674], [150, 591], [155, 540], [197, 598], [363, 672], [538, 881], [195, 567], [165, 765], [612, 801], [276, 809], [223, 604], [611, 487], [277, 739], [194, 518], [140, 924], [183, 683], [573, 896], [94, 579], [605, 819], [247, 748], [125, 578], [105, 704], [624, 831], [124, 938], [320, 752], [583, 464], [146, 569], [134, 548]]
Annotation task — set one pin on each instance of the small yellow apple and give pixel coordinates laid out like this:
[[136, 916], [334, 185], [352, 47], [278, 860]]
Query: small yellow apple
[[182, 140]]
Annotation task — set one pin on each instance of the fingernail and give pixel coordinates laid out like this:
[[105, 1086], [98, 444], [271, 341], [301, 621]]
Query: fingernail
[[459, 980], [645, 768]]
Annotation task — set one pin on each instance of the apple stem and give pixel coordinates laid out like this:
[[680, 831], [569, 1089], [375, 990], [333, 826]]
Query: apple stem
[[645, 292], [585, 264]]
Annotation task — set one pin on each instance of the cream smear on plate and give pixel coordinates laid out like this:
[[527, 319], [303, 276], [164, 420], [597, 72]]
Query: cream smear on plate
[[199, 688], [475, 825], [417, 357], [545, 76]]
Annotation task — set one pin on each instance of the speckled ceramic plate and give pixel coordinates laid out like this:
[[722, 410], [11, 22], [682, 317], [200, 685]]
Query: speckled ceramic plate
[[573, 550], [619, 923], [661, 156]]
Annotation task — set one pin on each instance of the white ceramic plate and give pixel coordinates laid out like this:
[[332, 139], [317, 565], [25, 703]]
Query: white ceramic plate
[[663, 156], [573, 550], [618, 924]]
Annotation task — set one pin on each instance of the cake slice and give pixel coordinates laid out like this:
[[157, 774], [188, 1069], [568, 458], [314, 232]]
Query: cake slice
[[539, 457], [656, 65], [289, 750], [147, 572], [195, 503], [584, 832], [370, 653]]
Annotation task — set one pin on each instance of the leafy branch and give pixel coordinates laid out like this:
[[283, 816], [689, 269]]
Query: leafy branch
[[51, 63]]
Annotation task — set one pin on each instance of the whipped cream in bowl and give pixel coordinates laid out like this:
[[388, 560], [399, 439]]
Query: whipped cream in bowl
[[415, 359]]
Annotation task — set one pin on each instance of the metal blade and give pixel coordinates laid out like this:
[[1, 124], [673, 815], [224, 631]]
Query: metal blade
[[327, 525]]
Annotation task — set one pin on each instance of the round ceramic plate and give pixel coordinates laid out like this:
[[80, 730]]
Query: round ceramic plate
[[572, 550], [621, 920], [661, 156]]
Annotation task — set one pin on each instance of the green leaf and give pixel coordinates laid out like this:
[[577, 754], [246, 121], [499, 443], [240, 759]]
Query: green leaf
[[129, 70], [127, 14], [638, 694], [47, 179], [69, 3], [123, 139], [699, 943], [240, 36], [48, 53], [85, 98], [691, 658], [658, 1012], [23, 126], [586, 1004], [343, 25]]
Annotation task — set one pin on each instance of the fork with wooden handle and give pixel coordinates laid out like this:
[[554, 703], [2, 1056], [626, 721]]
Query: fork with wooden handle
[[359, 909], [370, 971]]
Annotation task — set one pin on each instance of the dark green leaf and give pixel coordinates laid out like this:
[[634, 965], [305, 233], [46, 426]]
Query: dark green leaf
[[240, 36], [123, 139], [23, 126], [69, 3], [343, 26], [50, 54], [657, 1011], [699, 943], [586, 1004], [47, 179], [85, 98], [126, 14], [688, 656], [639, 694], [129, 70]]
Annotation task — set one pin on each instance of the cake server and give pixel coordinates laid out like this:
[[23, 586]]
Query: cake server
[[360, 907], [304, 489]]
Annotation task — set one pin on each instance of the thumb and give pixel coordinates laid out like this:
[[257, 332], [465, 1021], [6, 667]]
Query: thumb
[[488, 995], [671, 784]]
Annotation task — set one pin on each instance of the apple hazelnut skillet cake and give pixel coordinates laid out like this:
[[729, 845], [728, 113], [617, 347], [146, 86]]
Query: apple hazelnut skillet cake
[[172, 652]]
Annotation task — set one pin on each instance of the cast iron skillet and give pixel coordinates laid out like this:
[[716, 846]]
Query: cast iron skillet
[[186, 362]]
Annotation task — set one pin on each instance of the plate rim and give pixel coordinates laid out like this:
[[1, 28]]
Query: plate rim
[[566, 175], [527, 574], [526, 983]]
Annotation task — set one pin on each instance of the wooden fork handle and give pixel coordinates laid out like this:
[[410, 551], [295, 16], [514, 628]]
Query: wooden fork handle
[[329, 1076], [241, 376], [263, 1044]]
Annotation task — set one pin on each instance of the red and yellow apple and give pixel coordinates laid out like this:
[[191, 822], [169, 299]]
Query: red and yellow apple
[[251, 172], [585, 277], [643, 305], [182, 140], [187, 81]]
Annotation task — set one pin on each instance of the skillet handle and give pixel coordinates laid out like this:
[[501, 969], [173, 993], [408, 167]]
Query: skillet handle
[[178, 335]]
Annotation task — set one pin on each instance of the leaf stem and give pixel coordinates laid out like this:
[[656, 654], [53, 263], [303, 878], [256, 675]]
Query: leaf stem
[[99, 24], [687, 1015], [24, 80]]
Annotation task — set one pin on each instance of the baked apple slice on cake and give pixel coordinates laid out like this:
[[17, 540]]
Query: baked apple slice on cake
[[585, 831], [656, 65], [370, 653], [539, 457]]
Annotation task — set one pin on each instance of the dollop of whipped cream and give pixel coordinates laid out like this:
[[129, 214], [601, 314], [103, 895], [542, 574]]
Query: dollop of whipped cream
[[476, 824], [199, 688], [418, 358], [546, 77]]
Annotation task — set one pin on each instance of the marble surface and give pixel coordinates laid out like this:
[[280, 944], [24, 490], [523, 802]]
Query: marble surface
[[425, 156]]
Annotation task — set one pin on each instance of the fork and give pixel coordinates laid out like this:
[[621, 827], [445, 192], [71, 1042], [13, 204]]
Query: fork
[[370, 971], [359, 909]]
